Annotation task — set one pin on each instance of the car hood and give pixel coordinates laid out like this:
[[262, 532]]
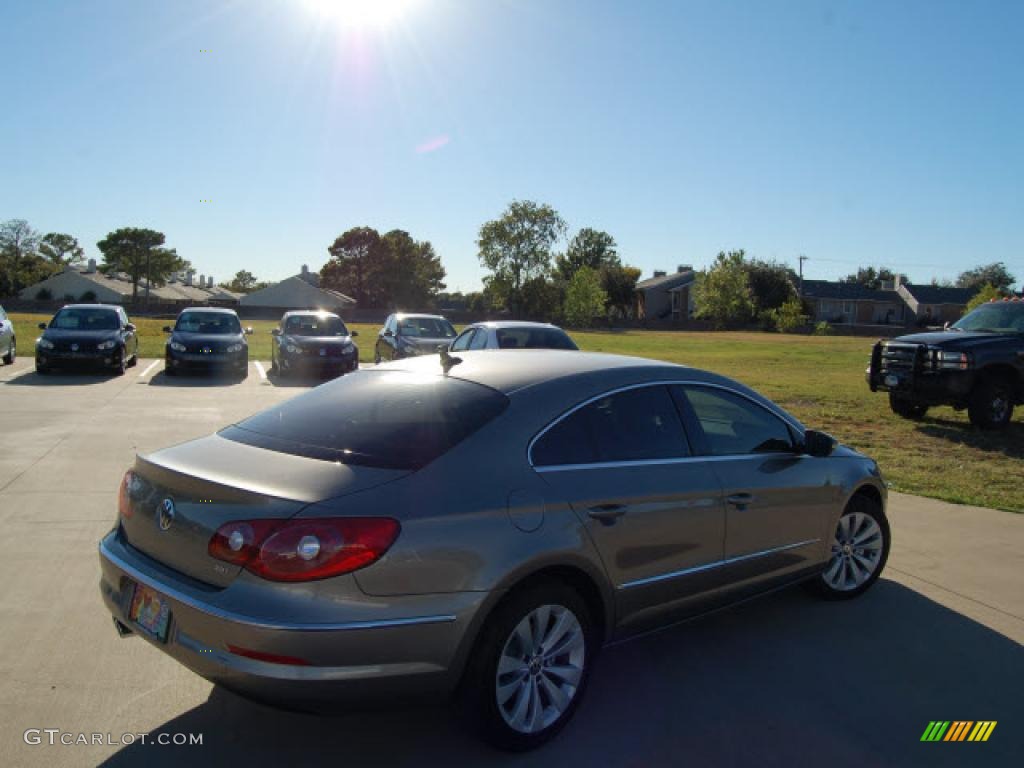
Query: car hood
[[208, 338], [318, 341], [957, 339], [57, 334]]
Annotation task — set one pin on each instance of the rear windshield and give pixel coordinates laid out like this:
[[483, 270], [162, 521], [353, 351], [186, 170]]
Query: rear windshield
[[208, 322], [387, 419], [86, 320], [534, 338]]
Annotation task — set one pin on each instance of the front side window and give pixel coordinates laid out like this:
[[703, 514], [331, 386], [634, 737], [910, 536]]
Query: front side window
[[733, 425], [215, 323], [633, 425], [480, 340], [462, 343], [86, 320], [385, 419]]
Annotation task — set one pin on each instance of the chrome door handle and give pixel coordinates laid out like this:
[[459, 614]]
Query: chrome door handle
[[607, 514], [740, 500]]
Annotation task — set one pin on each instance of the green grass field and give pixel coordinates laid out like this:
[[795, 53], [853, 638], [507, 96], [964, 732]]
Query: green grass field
[[818, 379]]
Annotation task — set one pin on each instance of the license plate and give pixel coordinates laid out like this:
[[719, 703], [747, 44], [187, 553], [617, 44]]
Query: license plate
[[892, 381], [323, 353], [150, 612]]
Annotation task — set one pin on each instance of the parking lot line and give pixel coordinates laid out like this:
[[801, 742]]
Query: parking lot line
[[260, 370], [149, 368]]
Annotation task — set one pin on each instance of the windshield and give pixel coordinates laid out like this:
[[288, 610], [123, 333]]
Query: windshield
[[391, 420], [426, 327], [86, 320], [315, 325], [995, 317], [215, 323], [534, 338]]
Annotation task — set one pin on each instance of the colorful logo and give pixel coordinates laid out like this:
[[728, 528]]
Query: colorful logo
[[958, 730]]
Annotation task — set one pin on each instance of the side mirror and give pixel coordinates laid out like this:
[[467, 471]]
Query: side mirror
[[168, 329], [248, 331], [353, 334], [130, 327], [42, 326], [818, 444], [388, 333], [945, 325], [275, 331]]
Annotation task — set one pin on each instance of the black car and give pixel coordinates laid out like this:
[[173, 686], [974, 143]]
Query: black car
[[207, 339], [411, 335], [977, 363], [87, 335], [313, 342]]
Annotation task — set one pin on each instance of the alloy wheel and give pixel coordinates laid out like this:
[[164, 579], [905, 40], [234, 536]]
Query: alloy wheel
[[856, 552], [540, 668]]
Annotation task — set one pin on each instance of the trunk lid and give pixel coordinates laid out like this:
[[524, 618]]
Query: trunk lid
[[183, 494]]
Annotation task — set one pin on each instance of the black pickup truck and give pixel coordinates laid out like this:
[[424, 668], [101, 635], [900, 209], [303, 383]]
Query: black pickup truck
[[977, 363]]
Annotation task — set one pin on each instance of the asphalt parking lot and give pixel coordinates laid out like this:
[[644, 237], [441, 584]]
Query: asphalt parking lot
[[783, 681]]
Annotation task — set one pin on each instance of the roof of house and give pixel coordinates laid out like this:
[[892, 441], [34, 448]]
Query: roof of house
[[939, 294], [826, 289], [121, 284], [299, 291], [666, 282]]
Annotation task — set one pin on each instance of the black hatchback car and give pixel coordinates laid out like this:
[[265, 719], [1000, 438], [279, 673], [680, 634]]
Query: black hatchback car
[[313, 342], [207, 339], [87, 335]]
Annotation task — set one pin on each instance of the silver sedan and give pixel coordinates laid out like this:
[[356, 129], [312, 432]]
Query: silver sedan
[[480, 527]]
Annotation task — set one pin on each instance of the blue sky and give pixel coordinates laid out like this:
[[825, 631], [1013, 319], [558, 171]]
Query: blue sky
[[853, 132]]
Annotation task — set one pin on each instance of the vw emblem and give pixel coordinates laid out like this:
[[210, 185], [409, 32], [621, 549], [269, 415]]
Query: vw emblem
[[165, 515], [74, 347]]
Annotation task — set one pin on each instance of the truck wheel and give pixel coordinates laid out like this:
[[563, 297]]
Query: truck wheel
[[908, 409], [991, 403]]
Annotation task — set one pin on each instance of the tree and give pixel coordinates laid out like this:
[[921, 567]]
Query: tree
[[517, 246], [584, 297], [771, 284], [985, 294], [244, 281], [355, 266], [722, 293], [995, 274], [619, 284], [589, 248], [19, 258], [61, 250], [789, 316], [869, 277], [137, 252], [412, 272]]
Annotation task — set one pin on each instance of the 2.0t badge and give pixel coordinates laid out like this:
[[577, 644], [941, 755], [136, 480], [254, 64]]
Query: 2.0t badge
[[165, 514]]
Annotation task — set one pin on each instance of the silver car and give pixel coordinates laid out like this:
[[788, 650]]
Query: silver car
[[8, 341], [480, 528], [512, 334]]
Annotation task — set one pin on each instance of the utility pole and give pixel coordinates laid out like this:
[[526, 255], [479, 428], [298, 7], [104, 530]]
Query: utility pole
[[801, 258]]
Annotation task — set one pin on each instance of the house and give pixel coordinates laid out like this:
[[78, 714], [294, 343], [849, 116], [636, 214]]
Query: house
[[935, 304], [666, 296], [301, 291], [87, 283], [854, 304]]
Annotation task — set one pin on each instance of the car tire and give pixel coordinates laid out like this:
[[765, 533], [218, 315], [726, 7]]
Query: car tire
[[169, 370], [119, 369], [42, 370], [12, 352], [273, 366], [376, 357], [907, 408], [990, 405], [134, 360], [502, 695], [859, 550]]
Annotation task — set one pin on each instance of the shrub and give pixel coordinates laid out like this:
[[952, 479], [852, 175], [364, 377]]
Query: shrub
[[789, 316], [44, 294], [822, 329], [88, 297]]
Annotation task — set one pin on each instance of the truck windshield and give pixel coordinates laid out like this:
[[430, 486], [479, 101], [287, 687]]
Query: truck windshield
[[994, 317]]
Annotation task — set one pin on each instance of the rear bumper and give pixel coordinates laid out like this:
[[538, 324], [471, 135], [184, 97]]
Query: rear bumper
[[369, 650]]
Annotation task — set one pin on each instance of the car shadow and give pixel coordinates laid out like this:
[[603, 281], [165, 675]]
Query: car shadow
[[304, 380], [1008, 441], [783, 681], [161, 379], [29, 378]]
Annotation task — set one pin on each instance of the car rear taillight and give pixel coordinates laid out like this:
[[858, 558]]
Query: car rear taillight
[[124, 501], [304, 550]]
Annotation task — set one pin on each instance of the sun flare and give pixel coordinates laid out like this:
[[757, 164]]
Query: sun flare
[[361, 13]]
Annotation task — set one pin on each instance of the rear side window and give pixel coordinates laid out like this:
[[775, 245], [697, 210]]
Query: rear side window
[[634, 425], [387, 419], [733, 425]]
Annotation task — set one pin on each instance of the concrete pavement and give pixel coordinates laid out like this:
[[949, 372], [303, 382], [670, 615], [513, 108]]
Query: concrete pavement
[[786, 680]]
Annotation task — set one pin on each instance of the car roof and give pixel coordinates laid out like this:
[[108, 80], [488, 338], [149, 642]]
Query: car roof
[[517, 369], [310, 312], [219, 310], [114, 307], [404, 315], [514, 324]]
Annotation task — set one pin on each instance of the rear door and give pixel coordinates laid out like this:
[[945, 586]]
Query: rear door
[[653, 510], [778, 501]]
